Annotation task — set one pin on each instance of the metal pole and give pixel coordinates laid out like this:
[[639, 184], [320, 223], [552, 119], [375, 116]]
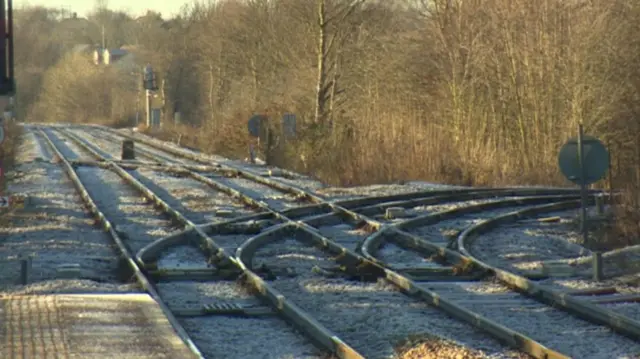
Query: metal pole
[[1, 170], [597, 256], [25, 268], [11, 69], [148, 106], [583, 188], [610, 172]]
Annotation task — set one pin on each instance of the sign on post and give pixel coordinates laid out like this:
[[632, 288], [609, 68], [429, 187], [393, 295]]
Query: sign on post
[[255, 125], [585, 160], [595, 159], [289, 125]]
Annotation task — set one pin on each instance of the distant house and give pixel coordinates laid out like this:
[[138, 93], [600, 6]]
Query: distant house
[[111, 56], [97, 56]]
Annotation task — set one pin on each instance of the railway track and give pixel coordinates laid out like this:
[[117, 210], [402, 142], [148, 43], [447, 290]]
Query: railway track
[[494, 296], [338, 228], [185, 297]]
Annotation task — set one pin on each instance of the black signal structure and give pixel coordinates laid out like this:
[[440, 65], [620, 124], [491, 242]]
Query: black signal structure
[[148, 78], [7, 78]]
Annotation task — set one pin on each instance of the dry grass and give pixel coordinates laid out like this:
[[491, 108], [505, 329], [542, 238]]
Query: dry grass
[[9, 147], [428, 347], [367, 157]]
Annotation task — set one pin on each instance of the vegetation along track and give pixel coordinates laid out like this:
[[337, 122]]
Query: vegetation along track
[[322, 215]]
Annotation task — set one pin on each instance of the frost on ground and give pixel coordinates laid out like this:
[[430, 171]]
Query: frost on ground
[[345, 235], [138, 222], [109, 149], [183, 257], [551, 327], [231, 242], [447, 230], [343, 193], [524, 246], [401, 258], [53, 227], [631, 310], [195, 200], [69, 149], [533, 245], [220, 336], [276, 199], [305, 183], [622, 286], [112, 144], [369, 316]]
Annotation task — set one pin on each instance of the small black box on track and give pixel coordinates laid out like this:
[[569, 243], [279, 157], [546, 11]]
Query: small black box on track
[[128, 150]]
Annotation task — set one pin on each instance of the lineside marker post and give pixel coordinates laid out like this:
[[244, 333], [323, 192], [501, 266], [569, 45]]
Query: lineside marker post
[[2, 138], [1, 171], [584, 217], [25, 268], [583, 188], [585, 160]]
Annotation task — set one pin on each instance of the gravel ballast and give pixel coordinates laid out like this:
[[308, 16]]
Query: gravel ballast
[[227, 336], [53, 227], [195, 200], [551, 327], [371, 317]]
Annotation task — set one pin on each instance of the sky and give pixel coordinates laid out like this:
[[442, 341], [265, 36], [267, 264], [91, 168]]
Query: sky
[[168, 8]]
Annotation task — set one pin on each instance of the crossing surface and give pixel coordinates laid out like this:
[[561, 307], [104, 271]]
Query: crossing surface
[[87, 326]]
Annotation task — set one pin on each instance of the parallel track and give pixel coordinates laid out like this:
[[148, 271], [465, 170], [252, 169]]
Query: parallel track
[[301, 222], [122, 247]]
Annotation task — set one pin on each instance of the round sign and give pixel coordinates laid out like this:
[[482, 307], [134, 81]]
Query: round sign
[[1, 135], [255, 124], [596, 160]]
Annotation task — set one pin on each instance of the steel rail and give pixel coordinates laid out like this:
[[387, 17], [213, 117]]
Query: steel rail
[[124, 251], [296, 316], [132, 181], [309, 214], [345, 257], [578, 307], [355, 263], [512, 338], [397, 232]]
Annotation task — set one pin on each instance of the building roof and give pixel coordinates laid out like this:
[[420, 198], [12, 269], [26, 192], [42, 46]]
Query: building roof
[[117, 52]]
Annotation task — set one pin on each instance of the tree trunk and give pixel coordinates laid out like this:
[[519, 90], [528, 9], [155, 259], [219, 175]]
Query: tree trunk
[[321, 64]]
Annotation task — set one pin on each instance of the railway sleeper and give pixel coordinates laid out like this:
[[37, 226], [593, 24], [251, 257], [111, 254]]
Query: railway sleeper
[[200, 274], [225, 309]]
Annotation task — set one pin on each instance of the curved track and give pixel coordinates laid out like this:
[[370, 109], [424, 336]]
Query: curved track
[[363, 246]]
